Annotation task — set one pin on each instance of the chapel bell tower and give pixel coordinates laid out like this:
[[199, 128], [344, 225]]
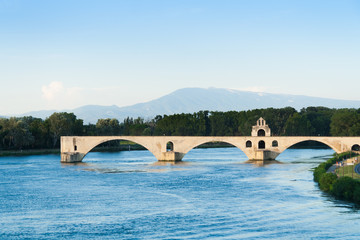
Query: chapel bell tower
[[261, 129]]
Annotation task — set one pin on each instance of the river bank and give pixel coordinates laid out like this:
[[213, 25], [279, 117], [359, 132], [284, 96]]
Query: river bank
[[339, 185], [28, 152]]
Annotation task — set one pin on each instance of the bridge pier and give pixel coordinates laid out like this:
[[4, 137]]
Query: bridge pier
[[263, 155], [71, 157], [171, 156]]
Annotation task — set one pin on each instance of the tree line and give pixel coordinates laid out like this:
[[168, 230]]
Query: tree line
[[36, 133]]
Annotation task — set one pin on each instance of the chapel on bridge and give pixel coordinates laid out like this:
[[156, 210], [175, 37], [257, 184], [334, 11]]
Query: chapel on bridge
[[261, 129]]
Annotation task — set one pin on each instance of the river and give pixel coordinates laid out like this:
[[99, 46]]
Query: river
[[212, 194]]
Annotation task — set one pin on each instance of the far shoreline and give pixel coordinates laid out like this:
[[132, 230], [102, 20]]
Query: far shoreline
[[29, 152]]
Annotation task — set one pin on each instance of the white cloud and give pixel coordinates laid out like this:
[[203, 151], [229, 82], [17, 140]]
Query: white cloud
[[56, 91], [57, 95], [52, 91]]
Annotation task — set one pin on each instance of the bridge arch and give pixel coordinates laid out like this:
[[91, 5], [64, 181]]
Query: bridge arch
[[200, 141], [96, 143], [355, 147], [327, 143]]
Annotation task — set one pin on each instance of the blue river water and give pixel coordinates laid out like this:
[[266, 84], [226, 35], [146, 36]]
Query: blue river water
[[212, 194]]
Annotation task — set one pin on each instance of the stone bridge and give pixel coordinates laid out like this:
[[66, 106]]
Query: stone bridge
[[75, 148]]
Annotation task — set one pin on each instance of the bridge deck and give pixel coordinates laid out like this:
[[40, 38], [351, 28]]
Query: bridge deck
[[75, 148]]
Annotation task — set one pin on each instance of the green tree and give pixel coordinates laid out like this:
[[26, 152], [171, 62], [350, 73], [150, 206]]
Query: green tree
[[320, 119], [90, 130], [356, 196], [63, 124], [176, 125], [277, 118], [3, 132], [39, 130], [344, 188], [298, 125], [319, 171], [16, 133], [218, 123], [345, 122], [202, 123], [138, 127], [108, 127], [326, 181]]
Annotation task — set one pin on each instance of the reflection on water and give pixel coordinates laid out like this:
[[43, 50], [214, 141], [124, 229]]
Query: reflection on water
[[171, 163], [103, 167], [213, 194], [107, 170], [261, 163], [85, 164]]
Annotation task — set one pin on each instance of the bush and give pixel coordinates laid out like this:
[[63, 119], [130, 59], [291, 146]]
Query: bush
[[326, 181], [356, 196], [318, 172], [323, 167], [344, 188]]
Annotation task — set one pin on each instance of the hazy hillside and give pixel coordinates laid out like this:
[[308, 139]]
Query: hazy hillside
[[189, 100]]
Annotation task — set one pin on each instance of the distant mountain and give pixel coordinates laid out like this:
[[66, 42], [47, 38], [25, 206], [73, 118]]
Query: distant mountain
[[40, 114], [190, 100], [89, 113]]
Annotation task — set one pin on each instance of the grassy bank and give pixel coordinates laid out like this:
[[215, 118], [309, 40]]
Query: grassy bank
[[347, 171], [340, 186]]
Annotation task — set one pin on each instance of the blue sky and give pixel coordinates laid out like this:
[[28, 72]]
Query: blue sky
[[65, 54]]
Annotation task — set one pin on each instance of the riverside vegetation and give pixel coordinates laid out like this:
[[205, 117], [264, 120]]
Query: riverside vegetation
[[29, 133], [341, 187]]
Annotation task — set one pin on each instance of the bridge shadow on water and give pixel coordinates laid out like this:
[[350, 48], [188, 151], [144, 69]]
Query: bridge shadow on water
[[139, 161]]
